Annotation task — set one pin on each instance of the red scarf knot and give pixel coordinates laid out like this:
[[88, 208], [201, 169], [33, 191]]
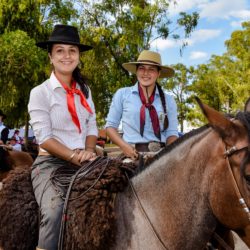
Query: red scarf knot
[[71, 102], [152, 113]]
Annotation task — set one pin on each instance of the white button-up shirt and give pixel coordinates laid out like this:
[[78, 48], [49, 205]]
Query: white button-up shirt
[[50, 117]]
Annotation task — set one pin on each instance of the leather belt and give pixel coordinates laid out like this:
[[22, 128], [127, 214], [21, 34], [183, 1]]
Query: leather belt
[[149, 147]]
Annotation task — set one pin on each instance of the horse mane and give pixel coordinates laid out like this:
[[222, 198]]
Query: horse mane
[[244, 118]]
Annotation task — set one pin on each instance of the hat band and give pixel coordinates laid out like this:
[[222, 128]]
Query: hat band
[[149, 61]]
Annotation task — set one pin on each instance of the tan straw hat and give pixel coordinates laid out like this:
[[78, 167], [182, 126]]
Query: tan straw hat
[[150, 58]]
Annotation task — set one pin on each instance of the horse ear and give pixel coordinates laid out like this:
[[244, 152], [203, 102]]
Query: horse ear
[[217, 120], [247, 105]]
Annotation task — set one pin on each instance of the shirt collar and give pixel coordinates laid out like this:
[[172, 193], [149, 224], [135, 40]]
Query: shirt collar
[[134, 89], [54, 82]]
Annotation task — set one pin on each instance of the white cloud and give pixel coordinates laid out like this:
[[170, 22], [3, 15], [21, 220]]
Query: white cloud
[[236, 24], [203, 35], [165, 44], [242, 14], [212, 9], [222, 9], [198, 36], [195, 55], [184, 5]]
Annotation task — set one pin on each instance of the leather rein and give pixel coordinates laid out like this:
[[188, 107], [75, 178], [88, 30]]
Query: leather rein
[[228, 152]]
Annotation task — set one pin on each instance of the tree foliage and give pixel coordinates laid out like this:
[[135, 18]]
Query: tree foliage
[[179, 86], [224, 82], [21, 70], [118, 30]]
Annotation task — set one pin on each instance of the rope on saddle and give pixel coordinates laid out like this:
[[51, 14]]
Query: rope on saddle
[[65, 179], [89, 194]]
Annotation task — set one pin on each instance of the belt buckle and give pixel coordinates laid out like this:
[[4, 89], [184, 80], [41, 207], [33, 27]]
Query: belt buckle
[[154, 146]]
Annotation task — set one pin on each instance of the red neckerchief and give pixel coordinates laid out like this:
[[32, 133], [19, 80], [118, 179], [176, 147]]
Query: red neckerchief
[[152, 113], [71, 102]]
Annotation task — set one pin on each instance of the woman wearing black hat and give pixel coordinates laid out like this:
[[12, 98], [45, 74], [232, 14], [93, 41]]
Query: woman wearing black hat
[[63, 119]]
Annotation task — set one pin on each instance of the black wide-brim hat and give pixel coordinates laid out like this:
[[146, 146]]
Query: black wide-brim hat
[[64, 34], [2, 114]]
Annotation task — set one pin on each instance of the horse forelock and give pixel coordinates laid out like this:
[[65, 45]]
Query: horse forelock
[[244, 118]]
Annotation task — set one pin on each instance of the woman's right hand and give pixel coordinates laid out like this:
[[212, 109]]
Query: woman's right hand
[[130, 151]]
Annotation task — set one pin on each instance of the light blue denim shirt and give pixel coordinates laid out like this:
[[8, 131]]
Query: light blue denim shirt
[[125, 108]]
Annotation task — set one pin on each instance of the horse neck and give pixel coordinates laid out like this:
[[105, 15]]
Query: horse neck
[[174, 192]]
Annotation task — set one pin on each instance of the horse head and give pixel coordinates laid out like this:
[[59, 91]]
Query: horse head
[[232, 211]]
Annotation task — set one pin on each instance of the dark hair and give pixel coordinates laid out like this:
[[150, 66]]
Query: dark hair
[[82, 81], [78, 77], [163, 102]]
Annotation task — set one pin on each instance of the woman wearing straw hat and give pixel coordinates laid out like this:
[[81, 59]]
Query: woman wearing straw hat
[[148, 115], [63, 119]]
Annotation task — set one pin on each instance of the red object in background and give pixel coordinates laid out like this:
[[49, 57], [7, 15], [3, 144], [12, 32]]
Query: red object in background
[[101, 143], [102, 138]]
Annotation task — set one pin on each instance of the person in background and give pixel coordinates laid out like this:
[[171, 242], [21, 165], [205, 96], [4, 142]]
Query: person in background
[[148, 114], [4, 131], [64, 123], [14, 145], [19, 139]]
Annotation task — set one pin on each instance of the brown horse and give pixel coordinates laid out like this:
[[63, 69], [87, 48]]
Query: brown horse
[[199, 183], [10, 159]]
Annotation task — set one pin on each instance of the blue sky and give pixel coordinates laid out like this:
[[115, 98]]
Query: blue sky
[[218, 19]]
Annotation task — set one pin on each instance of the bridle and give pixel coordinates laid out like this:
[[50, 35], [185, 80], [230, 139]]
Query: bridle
[[228, 153]]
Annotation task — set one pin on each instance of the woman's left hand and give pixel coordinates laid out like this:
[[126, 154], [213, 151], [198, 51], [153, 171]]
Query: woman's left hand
[[85, 155]]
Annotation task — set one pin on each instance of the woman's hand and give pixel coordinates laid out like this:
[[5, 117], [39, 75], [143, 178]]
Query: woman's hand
[[130, 151], [86, 155]]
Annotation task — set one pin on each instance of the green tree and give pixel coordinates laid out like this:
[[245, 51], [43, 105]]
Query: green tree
[[36, 17], [21, 70], [224, 83], [178, 85], [119, 31]]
